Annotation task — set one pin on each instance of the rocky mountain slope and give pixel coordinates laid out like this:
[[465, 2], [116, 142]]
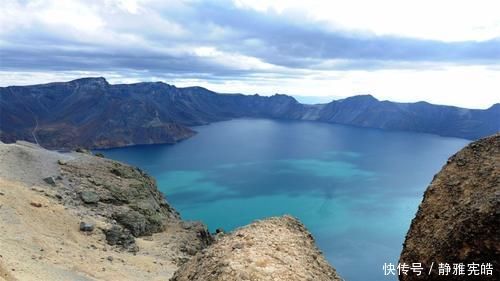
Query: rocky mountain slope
[[278, 248], [458, 220], [92, 113], [76, 216]]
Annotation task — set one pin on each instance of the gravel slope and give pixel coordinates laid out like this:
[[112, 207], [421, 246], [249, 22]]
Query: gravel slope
[[40, 237]]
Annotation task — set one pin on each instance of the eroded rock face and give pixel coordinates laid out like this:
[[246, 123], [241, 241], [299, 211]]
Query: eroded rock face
[[97, 219], [278, 248], [119, 192], [458, 220]]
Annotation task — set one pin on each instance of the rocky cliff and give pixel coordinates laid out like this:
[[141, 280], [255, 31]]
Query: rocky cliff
[[92, 113], [75, 216], [458, 220], [278, 248]]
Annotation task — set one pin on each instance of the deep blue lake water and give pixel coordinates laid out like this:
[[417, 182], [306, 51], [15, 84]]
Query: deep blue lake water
[[355, 189]]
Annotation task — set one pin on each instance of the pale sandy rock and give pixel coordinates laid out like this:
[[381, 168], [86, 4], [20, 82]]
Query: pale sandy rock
[[40, 237], [278, 248]]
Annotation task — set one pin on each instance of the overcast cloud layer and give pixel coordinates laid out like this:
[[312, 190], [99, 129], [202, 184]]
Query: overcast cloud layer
[[307, 48]]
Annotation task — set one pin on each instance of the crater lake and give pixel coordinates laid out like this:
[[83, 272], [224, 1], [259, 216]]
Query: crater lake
[[356, 189]]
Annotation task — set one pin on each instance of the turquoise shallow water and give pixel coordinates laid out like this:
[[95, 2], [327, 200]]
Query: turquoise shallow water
[[355, 189]]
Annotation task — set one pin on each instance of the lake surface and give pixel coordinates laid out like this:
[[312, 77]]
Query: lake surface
[[355, 189]]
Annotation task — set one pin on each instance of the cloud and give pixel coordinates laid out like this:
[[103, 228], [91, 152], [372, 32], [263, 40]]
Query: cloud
[[294, 42], [244, 44], [73, 35], [444, 20]]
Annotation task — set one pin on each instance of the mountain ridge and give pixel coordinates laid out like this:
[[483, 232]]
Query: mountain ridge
[[90, 112]]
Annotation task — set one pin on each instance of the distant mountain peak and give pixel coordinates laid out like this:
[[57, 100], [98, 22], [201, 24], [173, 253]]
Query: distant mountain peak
[[496, 106], [283, 97], [367, 97], [91, 80], [361, 98]]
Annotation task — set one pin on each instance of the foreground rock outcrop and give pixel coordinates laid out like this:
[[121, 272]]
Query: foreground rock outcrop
[[458, 220], [75, 216], [278, 248]]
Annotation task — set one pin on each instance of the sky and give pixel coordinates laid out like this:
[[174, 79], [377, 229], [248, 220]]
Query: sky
[[443, 52]]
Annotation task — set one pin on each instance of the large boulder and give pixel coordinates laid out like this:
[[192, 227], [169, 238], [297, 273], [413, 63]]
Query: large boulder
[[89, 197], [133, 221], [278, 248], [117, 235], [458, 220]]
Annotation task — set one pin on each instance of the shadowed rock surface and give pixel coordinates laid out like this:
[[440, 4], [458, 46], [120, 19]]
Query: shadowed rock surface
[[458, 220], [118, 192], [278, 248], [92, 113]]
